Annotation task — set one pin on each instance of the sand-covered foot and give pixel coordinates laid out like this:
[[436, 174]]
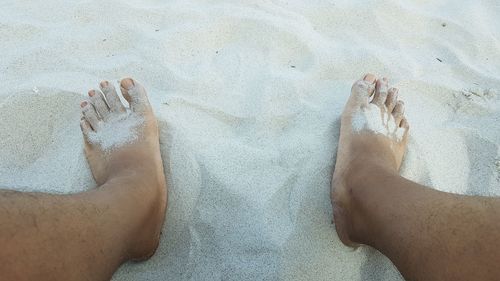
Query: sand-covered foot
[[373, 136], [122, 147]]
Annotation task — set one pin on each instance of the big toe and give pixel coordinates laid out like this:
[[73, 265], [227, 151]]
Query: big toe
[[135, 94], [361, 91]]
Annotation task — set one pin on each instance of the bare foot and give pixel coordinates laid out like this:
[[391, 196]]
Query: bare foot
[[373, 134], [122, 146]]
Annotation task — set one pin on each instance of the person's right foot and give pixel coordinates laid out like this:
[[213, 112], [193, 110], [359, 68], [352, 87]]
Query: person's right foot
[[373, 136], [123, 151]]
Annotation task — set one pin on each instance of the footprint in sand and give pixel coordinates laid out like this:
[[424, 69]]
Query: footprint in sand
[[475, 101]]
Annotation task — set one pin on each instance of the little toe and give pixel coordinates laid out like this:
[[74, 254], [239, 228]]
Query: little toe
[[97, 100], [85, 127], [392, 98], [135, 94], [406, 127], [90, 114], [404, 123], [380, 95], [112, 98], [398, 111]]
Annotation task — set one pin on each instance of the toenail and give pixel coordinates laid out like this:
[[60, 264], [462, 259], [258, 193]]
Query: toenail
[[91, 93], [83, 104], [104, 83], [369, 78], [127, 83]]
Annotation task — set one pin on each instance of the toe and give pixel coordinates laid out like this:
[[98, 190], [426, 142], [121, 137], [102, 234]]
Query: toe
[[392, 98], [398, 111], [135, 94], [90, 114], [370, 78], [85, 126], [97, 100], [112, 98], [362, 90], [404, 123], [380, 92]]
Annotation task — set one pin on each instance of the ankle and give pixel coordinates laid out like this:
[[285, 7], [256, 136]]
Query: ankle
[[363, 183], [141, 197]]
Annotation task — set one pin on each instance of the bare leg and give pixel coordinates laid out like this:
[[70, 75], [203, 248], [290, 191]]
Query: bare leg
[[87, 236], [428, 235]]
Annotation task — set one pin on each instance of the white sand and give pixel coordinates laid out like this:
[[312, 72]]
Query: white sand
[[373, 119], [248, 96], [119, 130]]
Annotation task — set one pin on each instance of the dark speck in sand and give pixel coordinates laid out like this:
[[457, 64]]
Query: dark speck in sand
[[440, 60], [292, 66], [443, 24], [104, 40], [157, 30], [216, 52]]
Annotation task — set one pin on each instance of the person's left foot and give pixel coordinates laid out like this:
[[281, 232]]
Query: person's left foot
[[122, 147]]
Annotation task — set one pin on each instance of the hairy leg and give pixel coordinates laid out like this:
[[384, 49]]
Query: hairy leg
[[429, 235], [87, 236]]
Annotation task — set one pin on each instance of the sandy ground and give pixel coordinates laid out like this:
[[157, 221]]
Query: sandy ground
[[248, 94]]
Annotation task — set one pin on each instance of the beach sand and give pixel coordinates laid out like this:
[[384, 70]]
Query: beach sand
[[249, 96]]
